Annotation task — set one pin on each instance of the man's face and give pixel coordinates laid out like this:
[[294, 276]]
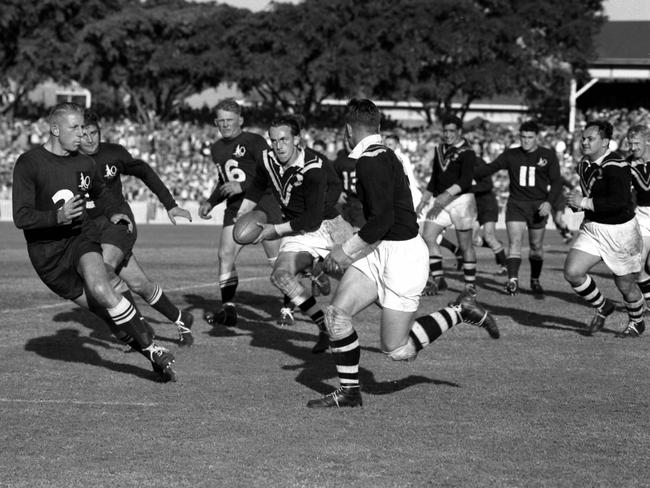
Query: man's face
[[68, 128], [284, 144], [528, 141], [450, 134], [391, 144], [90, 139], [638, 146], [229, 124], [592, 144]]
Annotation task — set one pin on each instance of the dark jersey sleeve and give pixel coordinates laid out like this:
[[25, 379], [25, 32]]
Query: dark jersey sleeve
[[377, 184], [484, 184], [26, 216], [258, 185], [141, 170], [314, 186], [555, 176], [501, 162]]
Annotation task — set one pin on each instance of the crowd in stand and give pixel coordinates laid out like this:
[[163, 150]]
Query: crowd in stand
[[180, 151]]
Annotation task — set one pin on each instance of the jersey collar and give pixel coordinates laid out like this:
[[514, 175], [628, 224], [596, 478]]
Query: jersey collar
[[364, 143]]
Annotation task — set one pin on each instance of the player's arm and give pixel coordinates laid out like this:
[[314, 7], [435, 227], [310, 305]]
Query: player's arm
[[484, 184], [25, 214], [556, 180], [501, 162]]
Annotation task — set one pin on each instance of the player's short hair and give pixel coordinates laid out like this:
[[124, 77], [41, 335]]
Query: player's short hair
[[638, 130], [529, 126], [605, 129], [393, 136], [91, 118], [452, 119], [229, 105], [287, 121], [362, 112], [63, 108]]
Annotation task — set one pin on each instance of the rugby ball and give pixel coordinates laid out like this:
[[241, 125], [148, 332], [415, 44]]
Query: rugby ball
[[246, 229]]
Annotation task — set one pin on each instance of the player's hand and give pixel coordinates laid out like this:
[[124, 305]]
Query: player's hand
[[574, 200], [204, 210], [120, 218], [343, 198], [178, 212], [336, 262], [230, 189], [268, 233], [544, 209], [71, 209]]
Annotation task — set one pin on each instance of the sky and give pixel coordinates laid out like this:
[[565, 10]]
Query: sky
[[615, 9]]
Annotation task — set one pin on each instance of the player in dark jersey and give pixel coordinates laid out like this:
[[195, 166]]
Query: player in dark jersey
[[451, 179], [487, 215], [384, 263], [113, 161], [349, 204], [609, 231], [535, 182], [236, 155], [638, 137], [49, 182], [311, 225]]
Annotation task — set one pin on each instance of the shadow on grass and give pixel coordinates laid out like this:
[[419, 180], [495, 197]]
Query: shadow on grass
[[256, 319], [67, 345]]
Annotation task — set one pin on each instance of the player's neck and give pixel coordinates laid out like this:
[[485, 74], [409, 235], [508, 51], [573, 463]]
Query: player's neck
[[52, 145]]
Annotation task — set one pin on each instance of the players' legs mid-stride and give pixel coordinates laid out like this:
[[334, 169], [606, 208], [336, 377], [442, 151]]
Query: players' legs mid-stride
[[436, 282], [516, 232]]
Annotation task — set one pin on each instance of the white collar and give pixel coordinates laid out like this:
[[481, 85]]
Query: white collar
[[599, 161], [364, 143]]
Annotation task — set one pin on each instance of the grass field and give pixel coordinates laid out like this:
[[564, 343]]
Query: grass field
[[543, 406]]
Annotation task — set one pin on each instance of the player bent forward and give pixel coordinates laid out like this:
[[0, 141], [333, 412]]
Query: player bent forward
[[385, 263], [312, 226], [609, 232]]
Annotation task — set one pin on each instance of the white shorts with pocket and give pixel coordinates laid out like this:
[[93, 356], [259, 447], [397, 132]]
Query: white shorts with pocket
[[320, 242], [460, 212]]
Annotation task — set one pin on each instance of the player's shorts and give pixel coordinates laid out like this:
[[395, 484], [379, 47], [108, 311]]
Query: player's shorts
[[352, 212], [400, 270], [526, 211], [57, 263], [487, 208], [618, 245], [268, 204], [460, 212], [559, 204], [320, 242], [103, 230], [643, 217]]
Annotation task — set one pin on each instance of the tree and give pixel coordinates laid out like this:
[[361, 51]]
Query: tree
[[155, 54]]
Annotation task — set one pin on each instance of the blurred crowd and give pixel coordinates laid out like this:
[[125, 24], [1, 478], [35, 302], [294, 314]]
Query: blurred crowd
[[180, 151]]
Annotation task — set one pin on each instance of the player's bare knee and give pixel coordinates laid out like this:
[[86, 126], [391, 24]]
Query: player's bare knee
[[405, 352], [338, 323], [286, 282]]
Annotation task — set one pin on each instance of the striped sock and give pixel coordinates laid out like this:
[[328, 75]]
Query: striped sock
[[160, 302], [469, 272], [590, 292], [635, 310], [126, 318], [428, 328], [347, 354], [228, 284], [645, 288], [310, 307], [435, 266]]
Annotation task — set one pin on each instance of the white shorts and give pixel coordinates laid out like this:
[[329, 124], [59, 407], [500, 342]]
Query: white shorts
[[643, 216], [400, 270], [460, 212], [618, 245], [320, 242]]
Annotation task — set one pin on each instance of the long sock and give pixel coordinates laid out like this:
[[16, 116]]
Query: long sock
[[590, 292], [635, 310], [228, 284], [513, 265], [645, 288], [469, 272], [286, 301], [310, 307], [435, 266], [161, 302], [447, 244], [428, 328], [500, 257], [126, 317], [346, 353], [536, 263]]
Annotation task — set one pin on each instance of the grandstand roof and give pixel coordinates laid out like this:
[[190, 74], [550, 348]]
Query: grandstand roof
[[623, 43]]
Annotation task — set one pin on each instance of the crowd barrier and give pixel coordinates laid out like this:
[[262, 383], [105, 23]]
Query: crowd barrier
[[154, 213]]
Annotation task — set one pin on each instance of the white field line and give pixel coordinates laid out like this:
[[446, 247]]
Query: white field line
[[66, 303], [77, 402]]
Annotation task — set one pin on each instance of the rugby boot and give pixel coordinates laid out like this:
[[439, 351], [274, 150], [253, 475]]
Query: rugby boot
[[474, 314], [286, 317], [162, 362], [227, 316], [322, 343], [434, 286], [343, 397], [502, 271], [184, 325], [598, 321], [512, 287], [536, 288], [633, 330]]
